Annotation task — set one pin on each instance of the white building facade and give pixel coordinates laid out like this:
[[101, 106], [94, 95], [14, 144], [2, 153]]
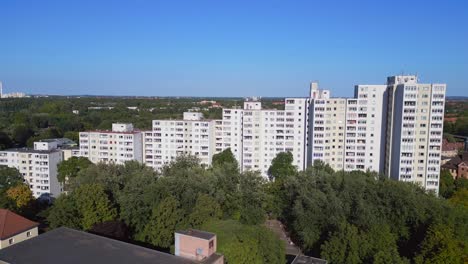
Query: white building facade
[[256, 135], [414, 131], [365, 131], [170, 138], [122, 144], [394, 129], [38, 167]]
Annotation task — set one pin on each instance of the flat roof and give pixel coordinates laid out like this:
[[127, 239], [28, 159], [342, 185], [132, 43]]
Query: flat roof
[[65, 245], [30, 150], [113, 132], [308, 260], [197, 233]]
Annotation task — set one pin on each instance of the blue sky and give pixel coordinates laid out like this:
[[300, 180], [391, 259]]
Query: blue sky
[[228, 48]]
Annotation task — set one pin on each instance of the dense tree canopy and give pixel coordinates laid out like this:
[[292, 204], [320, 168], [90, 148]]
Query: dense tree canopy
[[14, 194], [9, 177], [282, 166], [355, 217], [455, 190], [153, 205], [5, 141], [246, 243], [70, 168], [166, 217], [86, 206], [224, 157]]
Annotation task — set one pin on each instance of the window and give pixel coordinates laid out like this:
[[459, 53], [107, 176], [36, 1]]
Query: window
[[10, 241], [28, 234]]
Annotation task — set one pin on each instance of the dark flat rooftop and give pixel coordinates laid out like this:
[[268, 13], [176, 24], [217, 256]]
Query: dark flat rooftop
[[308, 260], [65, 245], [197, 233]]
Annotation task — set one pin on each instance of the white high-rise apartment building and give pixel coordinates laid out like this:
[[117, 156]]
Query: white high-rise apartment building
[[257, 135], [347, 133], [38, 167], [231, 130], [365, 129], [171, 138], [122, 144], [414, 131], [394, 129], [326, 128]]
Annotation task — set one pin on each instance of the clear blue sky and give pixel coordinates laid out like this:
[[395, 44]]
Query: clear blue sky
[[228, 48]]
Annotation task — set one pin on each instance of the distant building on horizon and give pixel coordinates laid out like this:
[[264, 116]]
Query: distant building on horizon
[[11, 95]]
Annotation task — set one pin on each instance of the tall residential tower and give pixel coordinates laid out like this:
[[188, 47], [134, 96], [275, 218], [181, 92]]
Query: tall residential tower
[[414, 131]]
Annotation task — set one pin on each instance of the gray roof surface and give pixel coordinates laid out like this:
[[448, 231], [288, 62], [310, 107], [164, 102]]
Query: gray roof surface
[[197, 233], [31, 150], [65, 245], [308, 260]]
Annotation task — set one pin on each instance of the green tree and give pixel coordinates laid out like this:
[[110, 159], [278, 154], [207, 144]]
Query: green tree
[[224, 157], [71, 167], [461, 183], [21, 134], [460, 197], [64, 212], [5, 141], [225, 182], [440, 247], [343, 246], [94, 205], [379, 246], [84, 207], [205, 209], [166, 217], [9, 177], [282, 166], [253, 199], [246, 244], [329, 213], [75, 136], [447, 184]]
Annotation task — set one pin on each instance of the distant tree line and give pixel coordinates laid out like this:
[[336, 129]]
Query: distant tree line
[[25, 120], [459, 110]]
